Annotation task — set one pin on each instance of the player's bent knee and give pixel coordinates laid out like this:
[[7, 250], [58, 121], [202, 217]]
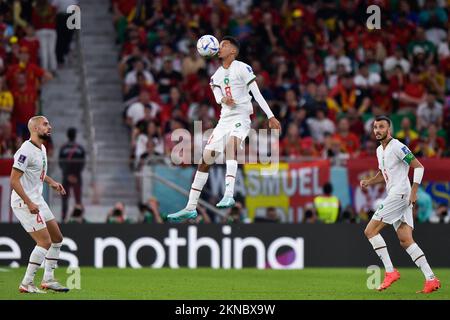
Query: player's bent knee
[[57, 239], [45, 243], [368, 232], [405, 243]]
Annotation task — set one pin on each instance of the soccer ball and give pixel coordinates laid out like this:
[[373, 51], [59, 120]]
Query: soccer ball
[[207, 46]]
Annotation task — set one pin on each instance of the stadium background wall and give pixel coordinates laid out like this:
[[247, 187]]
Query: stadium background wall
[[340, 245]]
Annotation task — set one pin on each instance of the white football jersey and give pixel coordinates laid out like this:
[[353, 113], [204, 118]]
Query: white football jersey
[[394, 162], [233, 82], [32, 161]]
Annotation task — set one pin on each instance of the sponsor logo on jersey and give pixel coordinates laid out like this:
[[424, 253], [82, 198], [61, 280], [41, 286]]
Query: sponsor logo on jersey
[[405, 150], [22, 159]]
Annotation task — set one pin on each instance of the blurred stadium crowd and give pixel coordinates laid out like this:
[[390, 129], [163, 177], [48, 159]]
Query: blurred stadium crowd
[[324, 73], [33, 44]]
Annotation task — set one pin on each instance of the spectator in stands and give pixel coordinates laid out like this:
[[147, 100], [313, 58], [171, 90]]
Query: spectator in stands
[[117, 214], [431, 146], [397, 59], [44, 20], [6, 102], [442, 214], [429, 112], [34, 75], [309, 214], [142, 109], [366, 80], [337, 57], [77, 215], [434, 80], [327, 205], [346, 95], [432, 15], [192, 63], [131, 77], [290, 146], [349, 215], [406, 134], [320, 125], [412, 94], [167, 78], [235, 215], [64, 34], [369, 149], [349, 142], [31, 42], [420, 45], [203, 217], [25, 105], [272, 215], [149, 212], [71, 161], [8, 142]]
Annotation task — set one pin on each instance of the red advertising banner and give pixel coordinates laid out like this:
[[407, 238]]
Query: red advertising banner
[[311, 177], [5, 190], [289, 190]]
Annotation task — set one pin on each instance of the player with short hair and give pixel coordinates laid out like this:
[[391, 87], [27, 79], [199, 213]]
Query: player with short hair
[[28, 174], [231, 84], [394, 160]]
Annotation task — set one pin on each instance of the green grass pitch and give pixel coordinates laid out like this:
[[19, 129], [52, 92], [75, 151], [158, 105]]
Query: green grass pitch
[[205, 283]]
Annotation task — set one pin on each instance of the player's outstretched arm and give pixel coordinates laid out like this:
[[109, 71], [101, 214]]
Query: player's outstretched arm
[[55, 185], [378, 178], [273, 122], [418, 175], [16, 174]]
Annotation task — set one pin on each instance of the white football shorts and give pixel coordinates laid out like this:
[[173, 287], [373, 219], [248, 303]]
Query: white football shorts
[[33, 222], [236, 127], [395, 209]]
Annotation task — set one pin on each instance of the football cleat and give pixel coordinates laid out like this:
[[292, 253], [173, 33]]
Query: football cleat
[[182, 215], [389, 279], [53, 285], [29, 288], [430, 286], [226, 202]]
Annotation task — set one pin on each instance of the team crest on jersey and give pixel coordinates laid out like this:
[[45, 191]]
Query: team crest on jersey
[[405, 150], [22, 159], [226, 81]]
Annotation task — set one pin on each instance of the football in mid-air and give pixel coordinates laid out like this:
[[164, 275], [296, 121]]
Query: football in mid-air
[[207, 46]]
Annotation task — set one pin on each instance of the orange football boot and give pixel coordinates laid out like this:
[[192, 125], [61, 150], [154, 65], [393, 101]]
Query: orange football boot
[[389, 279]]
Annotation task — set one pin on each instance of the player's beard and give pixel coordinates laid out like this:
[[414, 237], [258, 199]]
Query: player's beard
[[382, 137], [44, 137]]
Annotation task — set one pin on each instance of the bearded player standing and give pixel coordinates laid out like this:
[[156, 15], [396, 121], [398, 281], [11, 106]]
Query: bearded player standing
[[394, 160], [28, 174]]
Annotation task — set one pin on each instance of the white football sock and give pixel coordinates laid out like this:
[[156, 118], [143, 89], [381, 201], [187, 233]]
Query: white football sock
[[230, 177], [51, 261], [197, 187], [36, 258], [380, 248], [419, 259]]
